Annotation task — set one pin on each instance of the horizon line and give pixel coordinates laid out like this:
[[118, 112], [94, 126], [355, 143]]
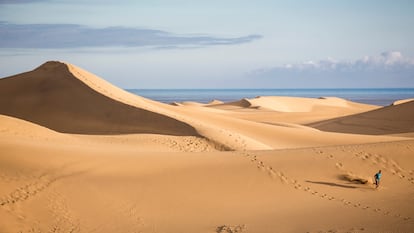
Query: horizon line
[[317, 88]]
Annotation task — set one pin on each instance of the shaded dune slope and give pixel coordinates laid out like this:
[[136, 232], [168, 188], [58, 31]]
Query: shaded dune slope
[[392, 119], [52, 96]]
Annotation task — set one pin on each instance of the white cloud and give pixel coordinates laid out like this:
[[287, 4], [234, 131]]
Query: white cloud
[[386, 60], [388, 69]]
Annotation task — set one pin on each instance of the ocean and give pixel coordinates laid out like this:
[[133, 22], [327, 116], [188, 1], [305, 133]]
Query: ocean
[[377, 96]]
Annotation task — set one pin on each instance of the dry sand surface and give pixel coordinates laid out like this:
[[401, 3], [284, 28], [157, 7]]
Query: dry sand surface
[[80, 155]]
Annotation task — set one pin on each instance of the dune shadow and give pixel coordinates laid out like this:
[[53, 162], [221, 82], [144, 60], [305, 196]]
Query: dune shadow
[[332, 184]]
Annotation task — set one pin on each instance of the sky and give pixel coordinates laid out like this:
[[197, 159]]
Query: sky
[[215, 44]]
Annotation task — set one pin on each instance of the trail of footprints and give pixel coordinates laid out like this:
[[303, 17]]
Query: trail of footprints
[[31, 189], [384, 163], [298, 186], [63, 218], [376, 159]]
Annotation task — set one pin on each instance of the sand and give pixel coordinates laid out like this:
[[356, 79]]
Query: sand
[[81, 155]]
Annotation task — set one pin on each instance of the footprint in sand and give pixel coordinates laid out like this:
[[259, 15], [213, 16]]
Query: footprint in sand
[[339, 165], [272, 174], [382, 159], [298, 186], [401, 175], [283, 178], [261, 166]]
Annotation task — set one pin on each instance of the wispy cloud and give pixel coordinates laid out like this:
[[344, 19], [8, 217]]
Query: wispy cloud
[[19, 1], [57, 36], [384, 70]]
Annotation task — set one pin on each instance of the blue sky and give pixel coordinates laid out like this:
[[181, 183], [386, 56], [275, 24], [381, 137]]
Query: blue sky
[[215, 44]]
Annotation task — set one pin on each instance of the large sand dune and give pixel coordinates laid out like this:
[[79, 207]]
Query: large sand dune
[[78, 154], [56, 96]]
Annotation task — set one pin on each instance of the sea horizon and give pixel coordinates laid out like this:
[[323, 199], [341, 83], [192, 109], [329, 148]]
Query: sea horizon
[[374, 96]]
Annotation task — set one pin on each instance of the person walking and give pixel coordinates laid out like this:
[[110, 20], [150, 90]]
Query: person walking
[[377, 177]]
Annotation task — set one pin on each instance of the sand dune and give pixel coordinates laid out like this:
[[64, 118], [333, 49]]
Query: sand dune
[[394, 119], [293, 104], [78, 154], [292, 109], [55, 96]]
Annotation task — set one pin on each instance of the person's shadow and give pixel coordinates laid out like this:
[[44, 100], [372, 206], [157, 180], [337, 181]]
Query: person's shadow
[[332, 184], [351, 179]]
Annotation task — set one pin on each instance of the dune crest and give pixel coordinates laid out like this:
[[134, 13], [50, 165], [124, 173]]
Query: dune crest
[[402, 101]]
